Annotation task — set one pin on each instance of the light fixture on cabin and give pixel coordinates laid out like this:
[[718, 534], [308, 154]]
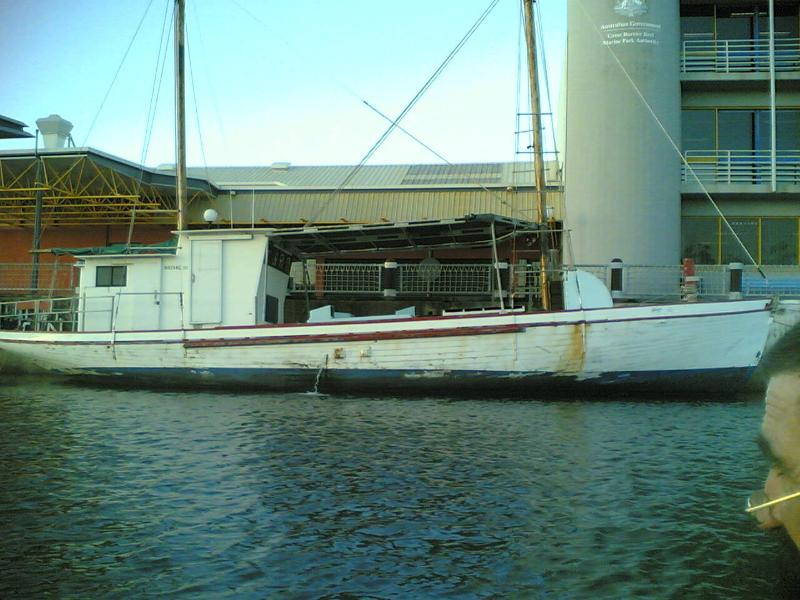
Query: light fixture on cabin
[[210, 216]]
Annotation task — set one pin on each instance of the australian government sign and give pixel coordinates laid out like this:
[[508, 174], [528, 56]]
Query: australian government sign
[[630, 25]]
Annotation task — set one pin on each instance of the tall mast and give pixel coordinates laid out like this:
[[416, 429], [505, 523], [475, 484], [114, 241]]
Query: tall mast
[[180, 119], [538, 157]]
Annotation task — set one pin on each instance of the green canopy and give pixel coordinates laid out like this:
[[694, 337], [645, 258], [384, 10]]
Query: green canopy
[[167, 247]]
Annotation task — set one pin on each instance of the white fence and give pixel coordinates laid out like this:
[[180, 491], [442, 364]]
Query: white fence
[[738, 56], [741, 166], [657, 283]]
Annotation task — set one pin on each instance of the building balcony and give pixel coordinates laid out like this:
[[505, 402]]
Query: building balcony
[[700, 57], [741, 171]]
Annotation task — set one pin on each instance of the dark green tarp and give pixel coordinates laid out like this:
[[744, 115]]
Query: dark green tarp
[[167, 247]]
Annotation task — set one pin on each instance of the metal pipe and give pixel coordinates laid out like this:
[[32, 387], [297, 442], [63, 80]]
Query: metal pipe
[[180, 119], [496, 261], [37, 219], [772, 99]]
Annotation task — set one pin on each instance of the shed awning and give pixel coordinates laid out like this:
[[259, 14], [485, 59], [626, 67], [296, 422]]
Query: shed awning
[[468, 231]]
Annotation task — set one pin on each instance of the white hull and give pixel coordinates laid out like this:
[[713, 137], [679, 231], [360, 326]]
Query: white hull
[[670, 347]]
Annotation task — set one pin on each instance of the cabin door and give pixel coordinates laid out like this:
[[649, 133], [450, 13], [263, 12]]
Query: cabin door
[[206, 303]]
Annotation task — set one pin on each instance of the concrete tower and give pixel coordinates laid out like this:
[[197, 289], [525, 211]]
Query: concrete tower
[[622, 173]]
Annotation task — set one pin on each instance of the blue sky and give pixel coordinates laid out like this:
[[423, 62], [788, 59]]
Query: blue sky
[[275, 81]]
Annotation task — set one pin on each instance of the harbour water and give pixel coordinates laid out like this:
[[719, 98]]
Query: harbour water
[[129, 493]]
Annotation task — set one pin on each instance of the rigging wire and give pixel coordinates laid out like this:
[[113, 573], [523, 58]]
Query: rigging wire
[[155, 91], [116, 74], [204, 67], [311, 60], [196, 111], [158, 74], [672, 143], [395, 122], [546, 75], [494, 193], [537, 12]]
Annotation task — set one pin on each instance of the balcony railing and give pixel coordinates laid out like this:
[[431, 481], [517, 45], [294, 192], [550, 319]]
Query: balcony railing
[[739, 56], [742, 166]]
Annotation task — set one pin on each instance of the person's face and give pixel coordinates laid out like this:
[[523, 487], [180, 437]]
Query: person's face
[[780, 436]]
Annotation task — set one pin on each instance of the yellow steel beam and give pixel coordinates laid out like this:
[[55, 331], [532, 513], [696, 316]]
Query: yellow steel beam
[[24, 171], [25, 189], [65, 174]]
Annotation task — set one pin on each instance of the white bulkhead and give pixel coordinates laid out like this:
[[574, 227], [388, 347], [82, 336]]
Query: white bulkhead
[[212, 279]]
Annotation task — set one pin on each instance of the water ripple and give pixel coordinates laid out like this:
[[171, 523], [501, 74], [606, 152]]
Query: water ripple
[[133, 493]]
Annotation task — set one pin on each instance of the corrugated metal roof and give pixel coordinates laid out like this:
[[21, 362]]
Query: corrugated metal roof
[[369, 176], [370, 206], [11, 128]]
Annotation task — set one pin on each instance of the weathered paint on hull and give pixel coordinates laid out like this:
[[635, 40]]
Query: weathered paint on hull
[[420, 382], [651, 348]]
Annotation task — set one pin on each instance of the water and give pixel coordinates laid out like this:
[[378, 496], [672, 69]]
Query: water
[[200, 495]]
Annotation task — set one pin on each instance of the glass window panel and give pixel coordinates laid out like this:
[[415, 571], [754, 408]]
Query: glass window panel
[[118, 276], [747, 230], [698, 130], [110, 276], [763, 130], [736, 130], [697, 27], [735, 27], [102, 277], [699, 240], [787, 125], [779, 241], [786, 27]]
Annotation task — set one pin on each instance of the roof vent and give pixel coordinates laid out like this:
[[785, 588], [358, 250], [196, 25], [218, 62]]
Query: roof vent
[[55, 131], [280, 166]]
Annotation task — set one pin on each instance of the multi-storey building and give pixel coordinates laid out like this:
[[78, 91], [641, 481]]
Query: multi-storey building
[[675, 109], [740, 129]]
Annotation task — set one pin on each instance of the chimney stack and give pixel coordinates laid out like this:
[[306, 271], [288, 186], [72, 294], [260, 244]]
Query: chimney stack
[[55, 131]]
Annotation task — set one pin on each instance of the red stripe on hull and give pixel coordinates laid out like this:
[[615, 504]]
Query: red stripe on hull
[[356, 337]]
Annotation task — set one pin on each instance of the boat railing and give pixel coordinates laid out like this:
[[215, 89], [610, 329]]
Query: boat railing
[[656, 283], [40, 314], [122, 311], [739, 56]]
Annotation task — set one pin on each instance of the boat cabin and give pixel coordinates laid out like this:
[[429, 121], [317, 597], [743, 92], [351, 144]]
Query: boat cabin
[[209, 278], [237, 278]]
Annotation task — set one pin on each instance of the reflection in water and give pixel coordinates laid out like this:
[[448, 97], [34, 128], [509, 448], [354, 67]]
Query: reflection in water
[[131, 493]]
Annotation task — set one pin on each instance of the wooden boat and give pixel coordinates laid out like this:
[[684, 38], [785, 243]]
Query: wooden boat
[[210, 310]]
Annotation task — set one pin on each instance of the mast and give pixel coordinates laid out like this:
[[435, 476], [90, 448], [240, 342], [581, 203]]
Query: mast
[[180, 119], [538, 157]]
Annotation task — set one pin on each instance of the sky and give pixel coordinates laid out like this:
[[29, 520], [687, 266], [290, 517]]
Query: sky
[[276, 81]]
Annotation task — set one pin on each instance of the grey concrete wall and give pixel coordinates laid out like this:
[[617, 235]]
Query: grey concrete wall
[[622, 173]]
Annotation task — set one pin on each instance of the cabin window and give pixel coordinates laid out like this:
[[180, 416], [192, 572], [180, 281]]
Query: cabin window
[[111, 276]]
